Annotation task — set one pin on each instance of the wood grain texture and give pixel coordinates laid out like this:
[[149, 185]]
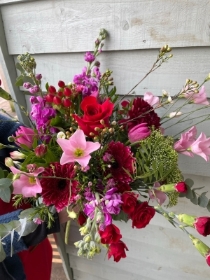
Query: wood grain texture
[[148, 255], [129, 67], [67, 26], [6, 2]]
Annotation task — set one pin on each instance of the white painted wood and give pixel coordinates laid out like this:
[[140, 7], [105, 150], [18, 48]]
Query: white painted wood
[[130, 67], [66, 26], [7, 66], [4, 2]]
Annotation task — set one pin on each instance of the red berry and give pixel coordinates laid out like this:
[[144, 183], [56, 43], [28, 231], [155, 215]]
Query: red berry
[[67, 91], [67, 103], [52, 89], [60, 94], [56, 100], [49, 98], [61, 84]]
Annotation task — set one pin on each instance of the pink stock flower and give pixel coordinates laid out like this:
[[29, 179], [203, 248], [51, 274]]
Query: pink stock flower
[[200, 98], [27, 184], [138, 132], [76, 148], [151, 99], [187, 138], [201, 146], [25, 136]]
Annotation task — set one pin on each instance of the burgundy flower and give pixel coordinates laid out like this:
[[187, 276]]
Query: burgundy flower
[[142, 112], [111, 234], [82, 218], [202, 225], [59, 192], [122, 187], [142, 215], [121, 159], [117, 250]]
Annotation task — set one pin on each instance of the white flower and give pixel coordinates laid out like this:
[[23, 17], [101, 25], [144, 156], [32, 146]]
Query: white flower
[[61, 134]]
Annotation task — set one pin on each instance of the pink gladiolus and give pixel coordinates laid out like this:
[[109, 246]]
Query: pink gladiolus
[[151, 99], [201, 147], [25, 136], [200, 98], [27, 184], [76, 148], [187, 138], [138, 132]]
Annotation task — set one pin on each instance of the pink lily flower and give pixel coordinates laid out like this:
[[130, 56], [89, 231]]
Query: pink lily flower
[[201, 146], [27, 184], [151, 99], [76, 148], [24, 135], [17, 155], [138, 132], [187, 138]]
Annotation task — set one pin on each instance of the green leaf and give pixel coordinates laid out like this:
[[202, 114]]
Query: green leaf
[[194, 198], [5, 95], [189, 182], [122, 216], [203, 200], [20, 68], [46, 86], [19, 81], [2, 252], [1, 173], [5, 192]]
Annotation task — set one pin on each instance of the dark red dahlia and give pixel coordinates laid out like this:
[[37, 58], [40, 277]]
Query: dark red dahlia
[[141, 112], [121, 160], [59, 192]]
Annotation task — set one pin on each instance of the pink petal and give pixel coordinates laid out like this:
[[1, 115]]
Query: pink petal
[[65, 145], [77, 140], [91, 147], [83, 161], [66, 158]]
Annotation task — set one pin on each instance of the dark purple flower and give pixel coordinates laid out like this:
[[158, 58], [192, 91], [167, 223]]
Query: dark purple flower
[[34, 89], [27, 85], [38, 77]]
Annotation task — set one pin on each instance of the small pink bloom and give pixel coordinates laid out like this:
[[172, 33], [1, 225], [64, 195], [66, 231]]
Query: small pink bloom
[[151, 99], [37, 221], [40, 150], [187, 138], [208, 258], [76, 148], [159, 196], [200, 98], [201, 146], [25, 136], [17, 155], [138, 132], [27, 184]]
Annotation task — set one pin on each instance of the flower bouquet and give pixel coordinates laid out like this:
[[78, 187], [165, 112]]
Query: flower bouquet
[[102, 157]]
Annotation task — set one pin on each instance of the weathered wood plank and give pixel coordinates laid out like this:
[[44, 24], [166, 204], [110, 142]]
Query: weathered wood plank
[[8, 71], [130, 66], [64, 26], [6, 2]]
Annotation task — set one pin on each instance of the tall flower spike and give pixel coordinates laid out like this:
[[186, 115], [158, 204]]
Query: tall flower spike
[[76, 148]]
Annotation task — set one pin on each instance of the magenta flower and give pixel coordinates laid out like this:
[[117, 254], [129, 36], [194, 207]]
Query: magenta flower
[[24, 135], [138, 132], [76, 148], [89, 57], [27, 184], [187, 138], [201, 147], [151, 99]]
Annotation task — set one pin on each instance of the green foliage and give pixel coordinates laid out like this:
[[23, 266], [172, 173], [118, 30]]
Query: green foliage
[[198, 199], [5, 95], [157, 160], [122, 216]]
